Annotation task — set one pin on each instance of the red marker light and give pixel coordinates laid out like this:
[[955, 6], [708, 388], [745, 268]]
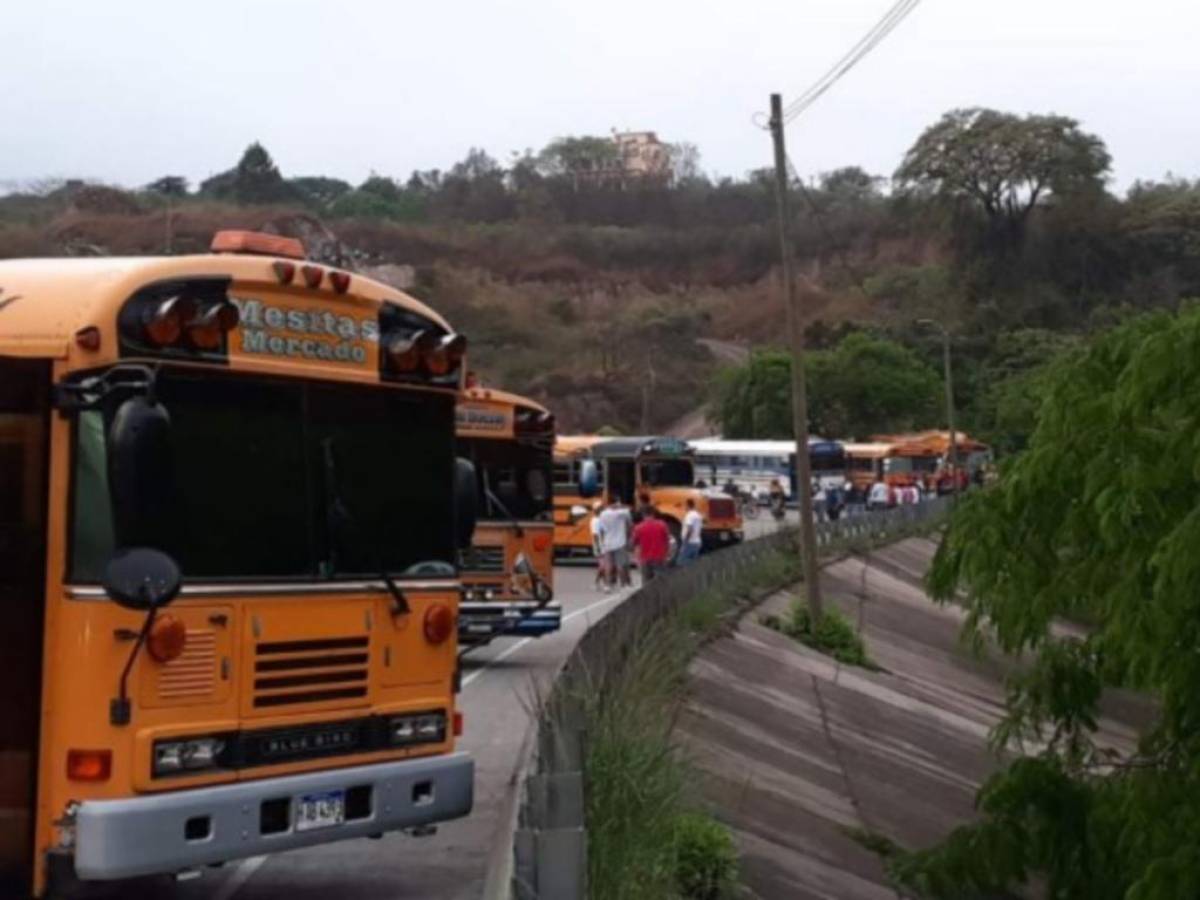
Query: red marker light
[[89, 765], [439, 623], [458, 724], [340, 281], [88, 338], [284, 271], [313, 275]]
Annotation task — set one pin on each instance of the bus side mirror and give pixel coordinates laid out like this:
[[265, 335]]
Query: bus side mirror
[[589, 478], [142, 579], [466, 502], [140, 478]]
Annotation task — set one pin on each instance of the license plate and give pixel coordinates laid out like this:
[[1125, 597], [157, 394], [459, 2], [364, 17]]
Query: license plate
[[320, 810], [479, 628], [726, 536]]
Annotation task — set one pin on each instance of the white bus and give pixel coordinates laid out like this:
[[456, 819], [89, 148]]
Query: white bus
[[753, 465]]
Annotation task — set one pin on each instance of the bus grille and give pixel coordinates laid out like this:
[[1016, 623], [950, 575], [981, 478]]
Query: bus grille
[[721, 508], [483, 559], [310, 671], [191, 675]]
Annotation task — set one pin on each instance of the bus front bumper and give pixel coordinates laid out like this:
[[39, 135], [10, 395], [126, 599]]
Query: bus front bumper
[[483, 620], [164, 833]]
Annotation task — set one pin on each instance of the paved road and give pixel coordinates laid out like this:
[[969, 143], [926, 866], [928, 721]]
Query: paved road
[[497, 687]]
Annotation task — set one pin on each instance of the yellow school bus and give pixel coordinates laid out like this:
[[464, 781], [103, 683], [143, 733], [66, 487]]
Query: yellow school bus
[[508, 572], [230, 508], [661, 468]]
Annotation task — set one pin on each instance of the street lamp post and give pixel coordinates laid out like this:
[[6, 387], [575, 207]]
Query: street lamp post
[[949, 382]]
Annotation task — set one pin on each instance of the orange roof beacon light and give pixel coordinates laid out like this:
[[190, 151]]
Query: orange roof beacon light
[[257, 243]]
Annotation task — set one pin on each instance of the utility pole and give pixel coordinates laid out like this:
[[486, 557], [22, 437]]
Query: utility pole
[[950, 413], [795, 327], [948, 379]]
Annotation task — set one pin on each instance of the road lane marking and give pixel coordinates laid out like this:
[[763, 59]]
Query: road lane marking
[[240, 876], [509, 651]]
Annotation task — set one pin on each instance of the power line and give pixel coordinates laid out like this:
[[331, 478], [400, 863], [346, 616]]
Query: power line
[[885, 26], [892, 18]]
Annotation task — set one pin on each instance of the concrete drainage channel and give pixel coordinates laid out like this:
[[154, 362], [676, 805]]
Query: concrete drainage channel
[[547, 819]]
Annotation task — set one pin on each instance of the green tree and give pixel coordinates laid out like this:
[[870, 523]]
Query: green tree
[[255, 179], [174, 186], [864, 385], [574, 157], [319, 190], [1005, 164], [1013, 381], [1098, 521], [753, 401]]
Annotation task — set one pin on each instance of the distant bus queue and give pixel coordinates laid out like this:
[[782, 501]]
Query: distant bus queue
[[885, 471]]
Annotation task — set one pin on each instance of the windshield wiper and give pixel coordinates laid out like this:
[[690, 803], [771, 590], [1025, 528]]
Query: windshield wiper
[[492, 498], [338, 515]]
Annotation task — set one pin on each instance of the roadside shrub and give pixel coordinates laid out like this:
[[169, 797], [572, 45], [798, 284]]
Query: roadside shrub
[[833, 635], [706, 860]]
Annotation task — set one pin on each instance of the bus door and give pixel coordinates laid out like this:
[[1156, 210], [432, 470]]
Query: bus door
[[24, 418], [621, 479]]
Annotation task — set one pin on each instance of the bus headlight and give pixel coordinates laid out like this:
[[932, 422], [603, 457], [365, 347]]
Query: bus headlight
[[522, 566], [194, 755], [418, 728]]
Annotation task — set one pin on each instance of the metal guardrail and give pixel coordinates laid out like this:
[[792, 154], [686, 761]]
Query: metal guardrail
[[550, 841]]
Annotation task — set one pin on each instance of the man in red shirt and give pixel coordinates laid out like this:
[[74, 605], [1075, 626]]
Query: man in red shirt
[[652, 539]]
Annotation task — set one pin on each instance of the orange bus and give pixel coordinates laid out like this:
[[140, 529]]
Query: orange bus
[[230, 511], [508, 573], [628, 467], [924, 457]]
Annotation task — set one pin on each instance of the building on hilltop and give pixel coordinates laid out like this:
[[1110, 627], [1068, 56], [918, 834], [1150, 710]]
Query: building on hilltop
[[633, 157], [643, 155]]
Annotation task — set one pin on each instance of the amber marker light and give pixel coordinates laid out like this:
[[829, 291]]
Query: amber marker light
[[446, 355], [206, 330], [167, 638], [165, 324]]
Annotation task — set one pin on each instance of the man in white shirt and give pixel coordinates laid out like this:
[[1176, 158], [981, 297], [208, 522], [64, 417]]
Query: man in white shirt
[[602, 577], [616, 530], [693, 534], [878, 497]]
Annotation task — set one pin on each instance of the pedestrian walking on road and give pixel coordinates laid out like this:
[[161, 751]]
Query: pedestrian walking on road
[[834, 503], [616, 531], [602, 569], [652, 539], [693, 534], [819, 500], [878, 497], [777, 501]]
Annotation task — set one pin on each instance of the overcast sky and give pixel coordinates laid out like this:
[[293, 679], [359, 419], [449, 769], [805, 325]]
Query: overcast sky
[[128, 90]]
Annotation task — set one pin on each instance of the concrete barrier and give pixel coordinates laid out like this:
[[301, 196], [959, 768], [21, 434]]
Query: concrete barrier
[[549, 843]]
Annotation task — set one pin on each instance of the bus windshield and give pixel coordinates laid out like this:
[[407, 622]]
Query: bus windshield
[[515, 480], [249, 489], [668, 473], [825, 462]]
